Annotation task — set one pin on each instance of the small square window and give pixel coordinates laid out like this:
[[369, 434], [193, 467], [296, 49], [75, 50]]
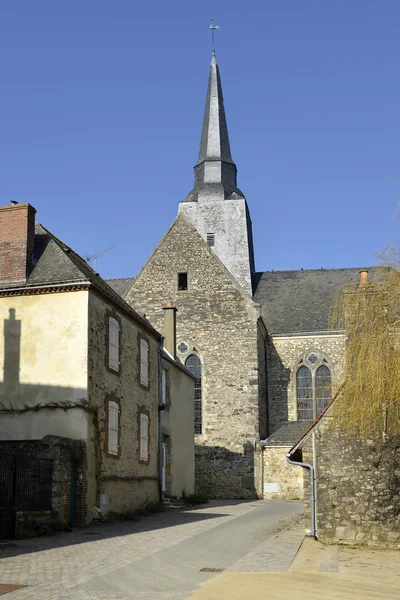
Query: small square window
[[182, 282], [211, 239]]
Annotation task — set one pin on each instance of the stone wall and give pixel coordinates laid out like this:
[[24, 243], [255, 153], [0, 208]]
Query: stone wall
[[217, 322], [124, 483], [281, 481], [358, 489], [284, 353], [61, 451]]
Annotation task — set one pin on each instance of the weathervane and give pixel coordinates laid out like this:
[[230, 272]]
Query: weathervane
[[213, 28]]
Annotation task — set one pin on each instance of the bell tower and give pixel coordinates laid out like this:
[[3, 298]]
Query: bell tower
[[216, 206]]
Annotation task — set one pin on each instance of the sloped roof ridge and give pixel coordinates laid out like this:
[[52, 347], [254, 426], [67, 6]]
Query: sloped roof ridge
[[313, 270], [99, 283]]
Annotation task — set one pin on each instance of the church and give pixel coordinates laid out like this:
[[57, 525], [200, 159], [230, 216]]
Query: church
[[259, 343]]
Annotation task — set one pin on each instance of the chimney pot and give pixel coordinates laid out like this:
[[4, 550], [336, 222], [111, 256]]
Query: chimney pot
[[364, 277]]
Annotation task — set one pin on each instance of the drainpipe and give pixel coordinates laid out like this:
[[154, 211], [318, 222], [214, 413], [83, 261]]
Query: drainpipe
[[312, 489]]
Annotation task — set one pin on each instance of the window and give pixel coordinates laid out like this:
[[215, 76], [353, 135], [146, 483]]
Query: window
[[164, 383], [113, 428], [144, 362], [210, 239], [143, 437], [194, 365], [313, 385], [113, 343], [182, 282]]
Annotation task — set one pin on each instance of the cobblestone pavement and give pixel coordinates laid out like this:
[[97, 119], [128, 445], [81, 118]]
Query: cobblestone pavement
[[157, 558]]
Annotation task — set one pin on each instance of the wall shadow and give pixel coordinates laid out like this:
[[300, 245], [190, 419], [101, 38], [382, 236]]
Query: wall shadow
[[278, 380], [221, 473], [107, 530]]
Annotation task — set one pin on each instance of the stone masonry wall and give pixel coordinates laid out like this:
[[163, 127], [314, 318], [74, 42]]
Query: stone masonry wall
[[217, 322], [284, 354], [358, 489], [124, 483], [281, 481]]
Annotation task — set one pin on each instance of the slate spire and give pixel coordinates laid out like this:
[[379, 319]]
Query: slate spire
[[215, 171]]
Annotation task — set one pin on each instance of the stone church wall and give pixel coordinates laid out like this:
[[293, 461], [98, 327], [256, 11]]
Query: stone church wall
[[218, 323], [281, 481], [284, 353]]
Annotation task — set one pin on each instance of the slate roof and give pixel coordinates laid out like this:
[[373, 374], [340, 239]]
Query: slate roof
[[300, 301], [121, 286], [287, 434], [56, 263]]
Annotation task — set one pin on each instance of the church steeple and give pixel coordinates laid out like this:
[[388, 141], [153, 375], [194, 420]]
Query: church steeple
[[215, 171], [216, 206]]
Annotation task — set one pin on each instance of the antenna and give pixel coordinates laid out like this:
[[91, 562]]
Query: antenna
[[94, 257]]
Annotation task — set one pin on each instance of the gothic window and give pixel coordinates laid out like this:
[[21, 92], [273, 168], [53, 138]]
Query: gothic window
[[313, 386], [194, 365]]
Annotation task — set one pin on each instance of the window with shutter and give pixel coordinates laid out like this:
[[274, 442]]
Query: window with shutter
[[144, 437], [113, 344], [164, 376], [144, 362], [113, 428]]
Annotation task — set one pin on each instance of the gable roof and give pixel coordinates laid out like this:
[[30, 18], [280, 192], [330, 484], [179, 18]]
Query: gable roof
[[57, 264], [300, 301], [121, 286], [287, 434]]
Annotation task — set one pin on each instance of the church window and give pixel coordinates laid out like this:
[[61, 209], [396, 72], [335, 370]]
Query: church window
[[194, 365], [313, 386], [210, 239], [182, 282], [304, 395]]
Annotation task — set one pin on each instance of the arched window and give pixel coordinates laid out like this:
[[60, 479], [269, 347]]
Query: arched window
[[322, 387], [304, 394], [313, 386], [194, 365]]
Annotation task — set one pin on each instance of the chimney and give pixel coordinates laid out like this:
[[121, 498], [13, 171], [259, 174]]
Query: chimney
[[17, 241], [363, 277], [170, 328]]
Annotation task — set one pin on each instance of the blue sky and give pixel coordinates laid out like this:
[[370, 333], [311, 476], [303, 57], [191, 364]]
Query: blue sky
[[102, 102]]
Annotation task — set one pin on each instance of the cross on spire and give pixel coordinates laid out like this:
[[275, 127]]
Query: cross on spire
[[213, 28]]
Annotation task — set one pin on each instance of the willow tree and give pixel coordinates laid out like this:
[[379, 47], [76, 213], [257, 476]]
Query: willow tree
[[369, 313]]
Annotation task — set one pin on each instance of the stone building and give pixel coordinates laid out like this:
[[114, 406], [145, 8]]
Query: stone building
[[80, 392], [259, 342]]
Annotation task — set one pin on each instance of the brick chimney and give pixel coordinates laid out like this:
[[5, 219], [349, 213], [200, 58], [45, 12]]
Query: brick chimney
[[363, 277], [170, 328], [17, 241]]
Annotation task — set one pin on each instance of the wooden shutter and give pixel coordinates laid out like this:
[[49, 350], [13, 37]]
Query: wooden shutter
[[144, 437], [164, 375], [113, 344], [113, 427], [144, 362]]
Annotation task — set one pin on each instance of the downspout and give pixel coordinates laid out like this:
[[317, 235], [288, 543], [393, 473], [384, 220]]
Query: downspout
[[312, 490]]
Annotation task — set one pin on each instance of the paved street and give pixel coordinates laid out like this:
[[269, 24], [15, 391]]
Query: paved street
[[160, 557]]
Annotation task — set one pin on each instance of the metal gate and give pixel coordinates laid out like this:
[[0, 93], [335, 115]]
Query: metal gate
[[25, 484]]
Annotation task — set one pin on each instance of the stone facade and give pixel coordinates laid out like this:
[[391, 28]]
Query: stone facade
[[219, 323], [357, 487], [283, 356], [280, 480], [124, 483]]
